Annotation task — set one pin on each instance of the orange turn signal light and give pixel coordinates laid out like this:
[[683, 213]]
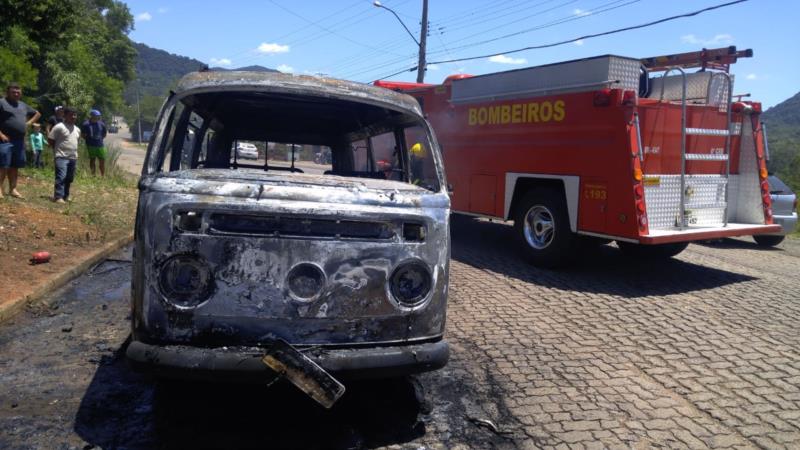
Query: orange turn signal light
[[763, 173], [637, 174]]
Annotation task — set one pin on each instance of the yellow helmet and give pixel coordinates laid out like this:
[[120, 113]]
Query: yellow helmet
[[418, 150]]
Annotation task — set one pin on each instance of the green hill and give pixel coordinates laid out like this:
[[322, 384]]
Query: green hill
[[783, 133], [158, 71]]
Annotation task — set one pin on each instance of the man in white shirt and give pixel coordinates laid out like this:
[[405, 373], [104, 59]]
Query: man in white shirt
[[64, 139]]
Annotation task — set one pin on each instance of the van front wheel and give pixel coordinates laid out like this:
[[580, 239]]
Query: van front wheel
[[542, 228]]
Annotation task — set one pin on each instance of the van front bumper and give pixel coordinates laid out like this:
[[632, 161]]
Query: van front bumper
[[244, 363]]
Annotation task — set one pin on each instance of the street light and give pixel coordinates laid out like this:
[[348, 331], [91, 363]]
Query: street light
[[422, 35]]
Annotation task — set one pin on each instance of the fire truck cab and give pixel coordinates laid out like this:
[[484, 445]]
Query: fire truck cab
[[639, 151]]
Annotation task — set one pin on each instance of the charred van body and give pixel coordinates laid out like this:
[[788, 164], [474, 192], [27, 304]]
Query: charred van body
[[346, 260]]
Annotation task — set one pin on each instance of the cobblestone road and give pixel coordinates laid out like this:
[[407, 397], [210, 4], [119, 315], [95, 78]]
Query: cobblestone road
[[699, 351]]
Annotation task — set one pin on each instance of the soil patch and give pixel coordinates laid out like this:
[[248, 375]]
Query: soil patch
[[70, 232]]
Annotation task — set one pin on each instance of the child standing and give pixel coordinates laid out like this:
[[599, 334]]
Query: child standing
[[37, 145]]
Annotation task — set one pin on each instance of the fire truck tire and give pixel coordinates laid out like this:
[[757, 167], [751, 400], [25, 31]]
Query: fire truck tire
[[658, 251], [542, 228], [767, 240]]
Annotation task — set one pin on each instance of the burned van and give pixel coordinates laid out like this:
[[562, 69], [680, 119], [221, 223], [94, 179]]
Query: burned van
[[285, 263]]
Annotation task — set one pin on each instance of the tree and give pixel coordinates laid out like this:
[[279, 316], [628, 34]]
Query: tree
[[71, 52]]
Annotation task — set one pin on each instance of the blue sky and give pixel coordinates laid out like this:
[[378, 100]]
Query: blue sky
[[352, 39]]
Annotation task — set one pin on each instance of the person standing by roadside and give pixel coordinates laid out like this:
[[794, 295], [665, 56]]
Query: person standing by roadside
[[64, 139], [15, 117], [94, 131], [37, 145], [55, 119]]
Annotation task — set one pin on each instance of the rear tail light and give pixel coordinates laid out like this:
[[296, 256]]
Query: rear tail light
[[794, 204], [629, 98], [602, 97]]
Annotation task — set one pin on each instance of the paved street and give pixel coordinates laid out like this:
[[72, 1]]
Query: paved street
[[700, 351], [131, 156]]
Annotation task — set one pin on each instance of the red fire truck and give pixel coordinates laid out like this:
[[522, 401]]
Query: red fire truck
[[605, 148]]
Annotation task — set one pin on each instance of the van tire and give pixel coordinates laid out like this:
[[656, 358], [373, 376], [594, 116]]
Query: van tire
[[768, 240], [541, 225], [657, 251]]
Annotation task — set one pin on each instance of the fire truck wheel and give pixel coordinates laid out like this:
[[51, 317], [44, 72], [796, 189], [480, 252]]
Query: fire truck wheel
[[542, 227], [659, 251], [767, 240]]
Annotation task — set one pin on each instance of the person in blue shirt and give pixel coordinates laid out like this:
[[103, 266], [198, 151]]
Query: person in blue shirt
[[94, 131]]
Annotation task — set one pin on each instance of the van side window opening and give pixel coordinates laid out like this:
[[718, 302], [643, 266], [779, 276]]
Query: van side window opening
[[209, 131]]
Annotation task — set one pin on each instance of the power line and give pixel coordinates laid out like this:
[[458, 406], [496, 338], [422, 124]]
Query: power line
[[589, 36], [588, 13], [565, 19], [493, 16]]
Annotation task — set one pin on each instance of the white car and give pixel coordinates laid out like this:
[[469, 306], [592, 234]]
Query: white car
[[784, 212], [246, 150]]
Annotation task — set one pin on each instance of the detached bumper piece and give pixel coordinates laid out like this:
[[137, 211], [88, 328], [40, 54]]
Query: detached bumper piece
[[304, 373], [309, 368]]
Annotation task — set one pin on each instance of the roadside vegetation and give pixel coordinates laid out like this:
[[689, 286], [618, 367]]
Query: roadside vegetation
[[103, 206]]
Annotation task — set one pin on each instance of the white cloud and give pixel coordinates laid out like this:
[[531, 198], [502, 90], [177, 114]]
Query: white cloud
[[752, 76], [431, 67], [162, 10], [503, 59], [285, 68], [579, 42], [271, 49], [221, 61], [719, 39], [580, 12], [144, 17]]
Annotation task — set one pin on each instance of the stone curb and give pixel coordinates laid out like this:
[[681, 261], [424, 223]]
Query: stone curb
[[10, 308]]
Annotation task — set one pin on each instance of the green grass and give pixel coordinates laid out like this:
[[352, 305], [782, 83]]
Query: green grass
[[107, 203]]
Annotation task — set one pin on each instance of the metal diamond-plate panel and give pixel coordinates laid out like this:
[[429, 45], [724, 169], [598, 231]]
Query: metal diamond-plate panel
[[718, 90], [570, 76], [705, 202], [746, 205], [697, 85]]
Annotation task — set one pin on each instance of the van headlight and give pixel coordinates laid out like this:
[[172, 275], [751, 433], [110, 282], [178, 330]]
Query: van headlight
[[410, 283], [185, 280]]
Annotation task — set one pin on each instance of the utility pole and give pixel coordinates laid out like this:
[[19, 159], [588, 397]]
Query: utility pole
[[138, 111], [423, 37]]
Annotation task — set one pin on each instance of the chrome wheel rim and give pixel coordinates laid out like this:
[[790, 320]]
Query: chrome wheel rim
[[538, 227]]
